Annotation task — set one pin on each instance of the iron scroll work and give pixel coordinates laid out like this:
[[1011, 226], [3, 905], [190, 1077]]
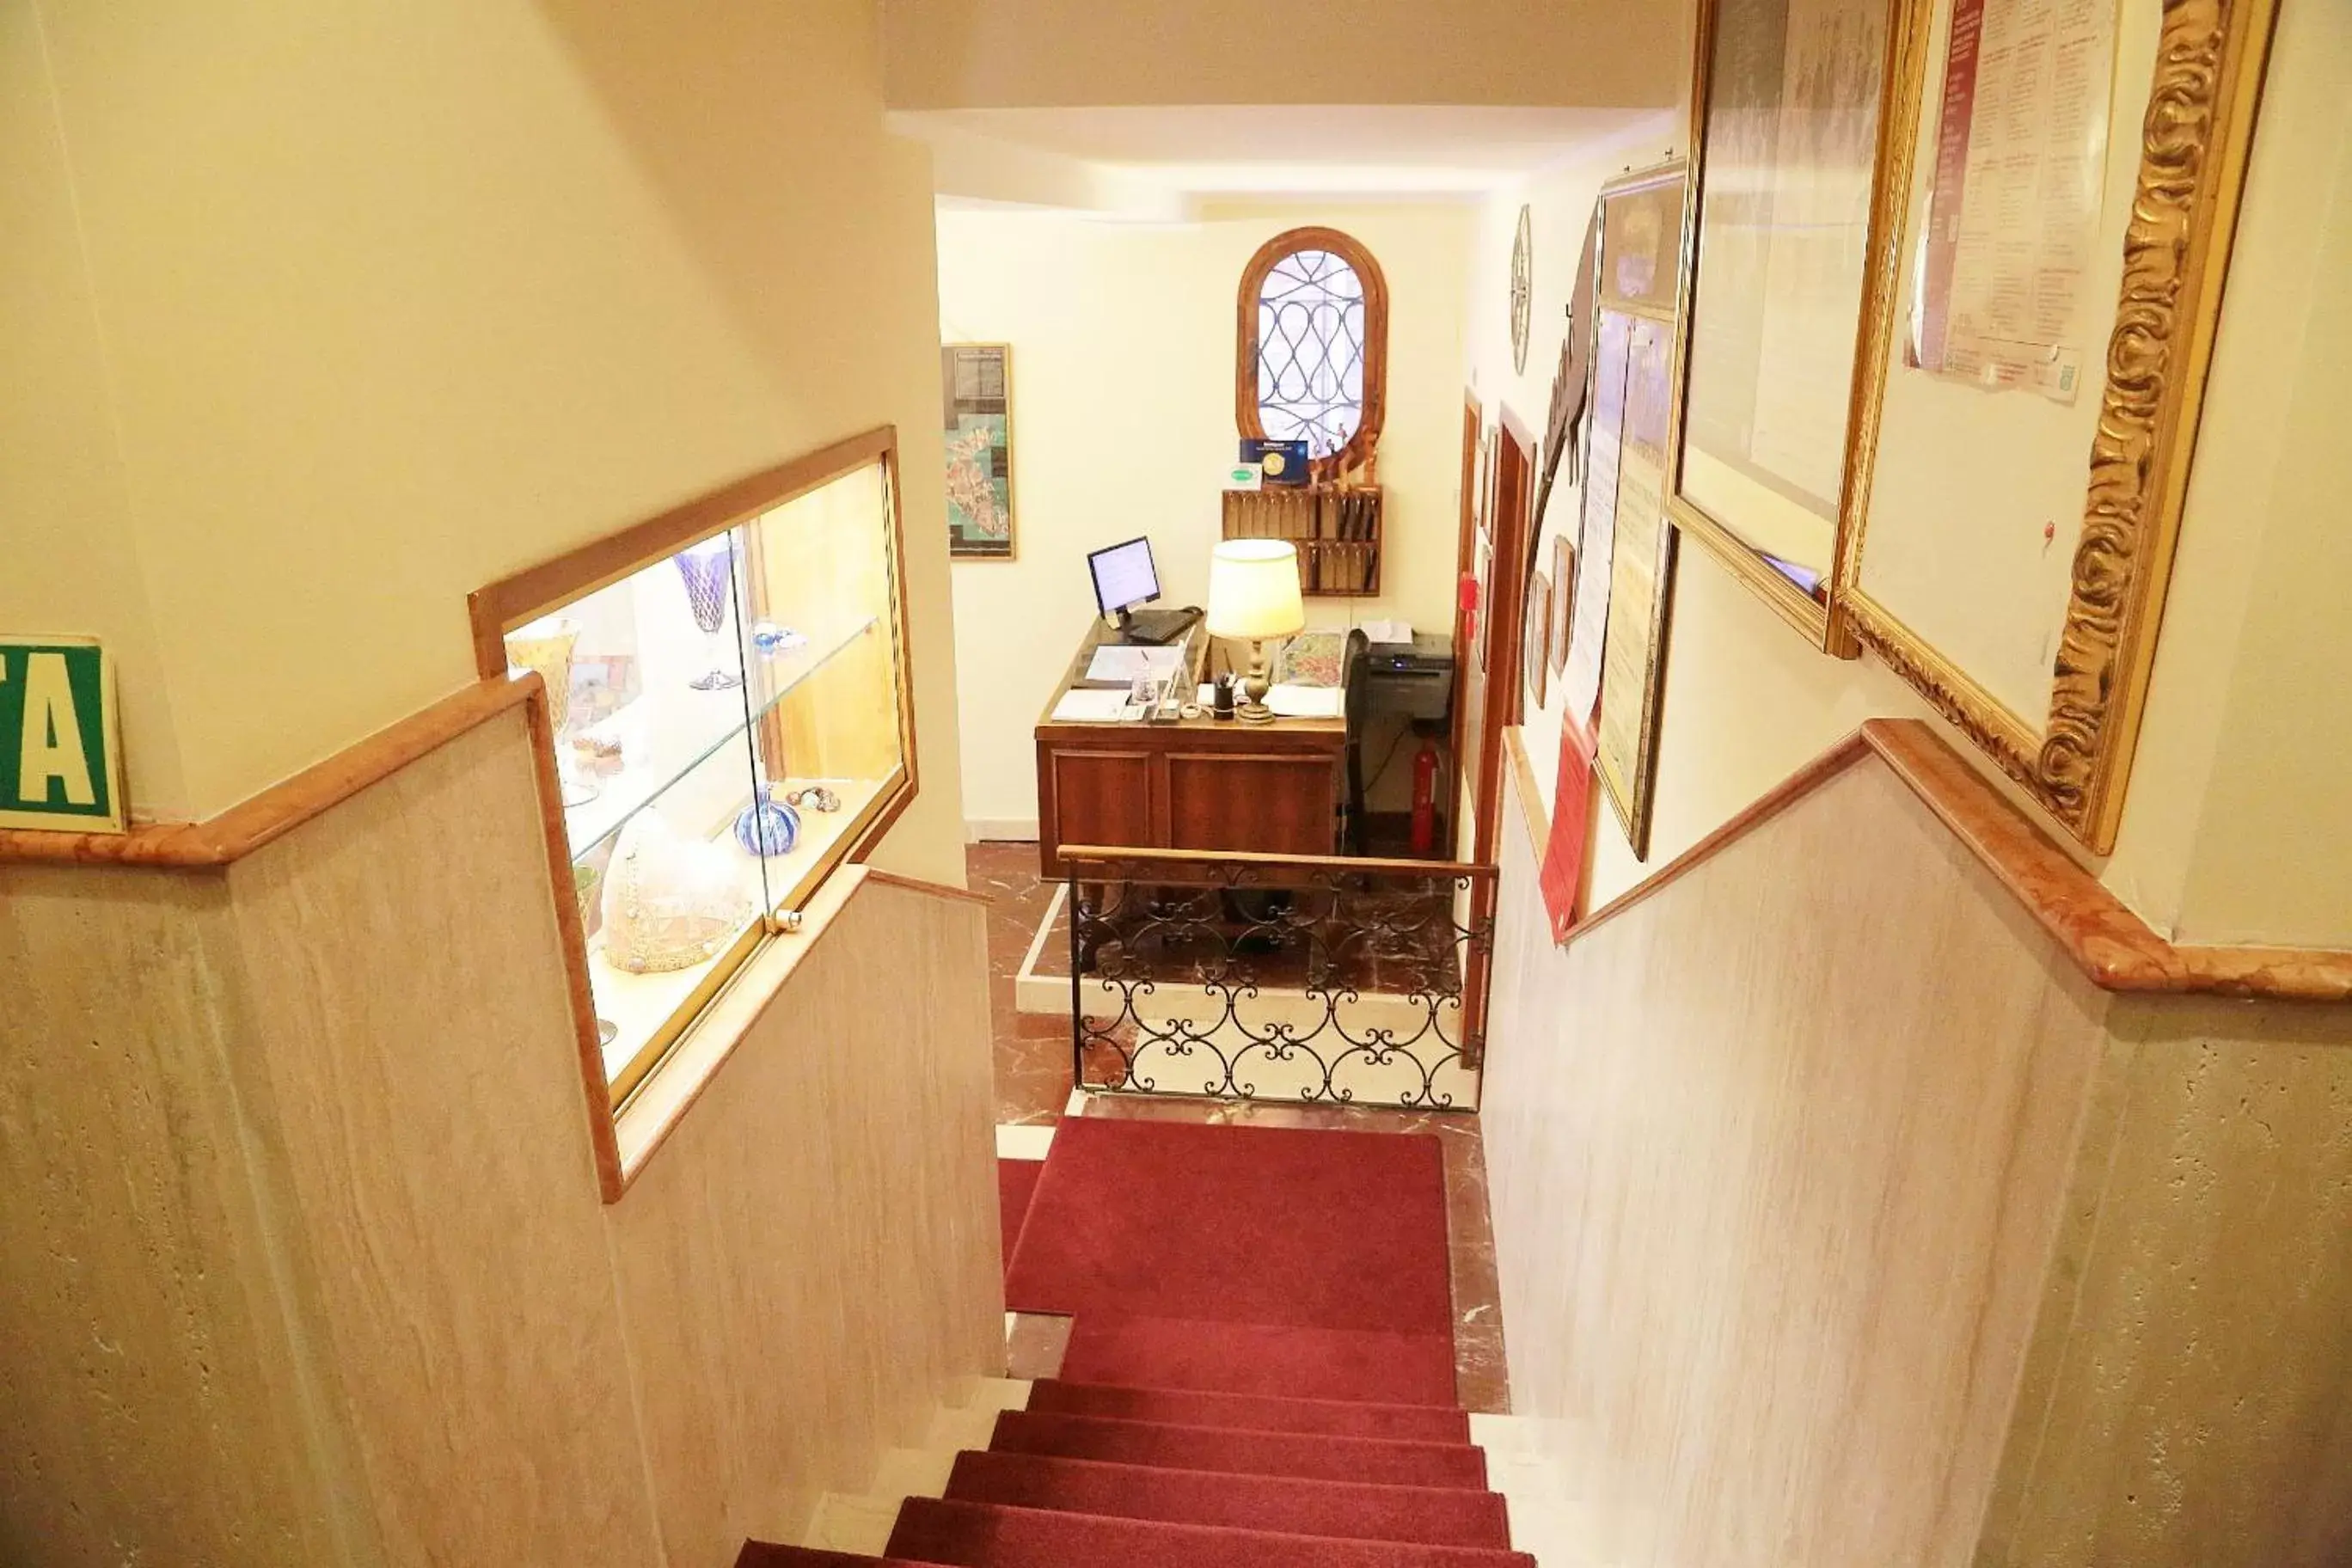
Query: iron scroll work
[[1302, 979]]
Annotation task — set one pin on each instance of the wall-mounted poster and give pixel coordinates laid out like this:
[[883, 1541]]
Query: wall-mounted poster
[[1786, 109], [976, 389], [1596, 541], [2018, 166], [1641, 571]]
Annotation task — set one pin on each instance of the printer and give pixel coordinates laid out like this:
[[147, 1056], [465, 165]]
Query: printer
[[1409, 680]]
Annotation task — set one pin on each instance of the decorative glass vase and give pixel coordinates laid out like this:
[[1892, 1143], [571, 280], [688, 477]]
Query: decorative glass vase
[[544, 646], [767, 826], [708, 569]]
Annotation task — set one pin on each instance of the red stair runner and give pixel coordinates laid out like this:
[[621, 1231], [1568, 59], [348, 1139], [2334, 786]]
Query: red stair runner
[[1262, 1358], [1262, 1413], [1312, 1455], [984, 1536], [1436, 1516], [1260, 1376]]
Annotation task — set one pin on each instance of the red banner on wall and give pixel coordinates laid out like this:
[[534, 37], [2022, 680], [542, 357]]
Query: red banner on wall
[[1562, 874]]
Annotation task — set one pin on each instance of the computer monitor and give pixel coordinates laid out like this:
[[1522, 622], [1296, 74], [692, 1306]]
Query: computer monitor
[[1124, 576]]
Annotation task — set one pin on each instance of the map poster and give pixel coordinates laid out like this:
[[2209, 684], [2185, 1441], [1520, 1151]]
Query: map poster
[[1633, 654], [1589, 609], [2018, 170], [975, 389]]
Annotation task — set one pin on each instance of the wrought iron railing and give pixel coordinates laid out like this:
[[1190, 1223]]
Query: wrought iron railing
[[1316, 979]]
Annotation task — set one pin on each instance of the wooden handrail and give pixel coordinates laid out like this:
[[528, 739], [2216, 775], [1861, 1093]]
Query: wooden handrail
[[1097, 854], [277, 811], [2114, 947]]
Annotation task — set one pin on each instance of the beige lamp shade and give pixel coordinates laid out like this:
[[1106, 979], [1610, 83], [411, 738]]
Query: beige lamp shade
[[1254, 589]]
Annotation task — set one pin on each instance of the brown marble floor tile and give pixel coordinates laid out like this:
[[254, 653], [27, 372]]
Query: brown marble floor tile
[[1032, 1051], [1034, 1345]]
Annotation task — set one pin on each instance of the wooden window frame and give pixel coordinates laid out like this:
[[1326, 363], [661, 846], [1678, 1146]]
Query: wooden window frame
[[501, 606], [1361, 447]]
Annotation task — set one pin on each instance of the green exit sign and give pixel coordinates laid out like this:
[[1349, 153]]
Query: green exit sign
[[60, 758]]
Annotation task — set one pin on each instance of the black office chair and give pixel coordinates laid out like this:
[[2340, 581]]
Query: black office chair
[[1356, 704]]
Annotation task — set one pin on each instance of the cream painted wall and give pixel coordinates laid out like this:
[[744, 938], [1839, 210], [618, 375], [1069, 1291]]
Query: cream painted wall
[[1746, 700], [2235, 829], [2230, 828], [357, 310], [1122, 423], [987, 54]]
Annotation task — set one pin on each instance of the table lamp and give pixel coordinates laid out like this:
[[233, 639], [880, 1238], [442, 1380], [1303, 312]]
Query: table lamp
[[1253, 596]]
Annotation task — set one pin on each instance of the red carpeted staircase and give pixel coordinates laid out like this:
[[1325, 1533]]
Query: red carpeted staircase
[[1260, 1374]]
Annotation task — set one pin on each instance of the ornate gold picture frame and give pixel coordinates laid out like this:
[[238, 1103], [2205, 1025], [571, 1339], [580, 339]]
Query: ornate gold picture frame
[[2074, 758], [1802, 105]]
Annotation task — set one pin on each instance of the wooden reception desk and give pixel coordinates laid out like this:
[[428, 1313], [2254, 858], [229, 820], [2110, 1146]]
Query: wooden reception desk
[[1195, 784]]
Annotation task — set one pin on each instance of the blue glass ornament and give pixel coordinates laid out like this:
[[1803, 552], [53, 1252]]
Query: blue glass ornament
[[767, 826]]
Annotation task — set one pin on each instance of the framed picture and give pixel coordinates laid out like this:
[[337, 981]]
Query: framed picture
[[1797, 107], [2069, 333], [1535, 651], [976, 394], [1641, 582], [1563, 595]]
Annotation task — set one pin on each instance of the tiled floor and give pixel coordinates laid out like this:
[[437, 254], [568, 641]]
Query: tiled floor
[[1033, 1085], [1033, 1054]]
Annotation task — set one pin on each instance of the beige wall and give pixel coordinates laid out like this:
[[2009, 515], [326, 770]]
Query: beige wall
[[1122, 423], [1899, 1243], [308, 1262], [2228, 828], [1747, 701], [952, 54], [339, 316], [2233, 832]]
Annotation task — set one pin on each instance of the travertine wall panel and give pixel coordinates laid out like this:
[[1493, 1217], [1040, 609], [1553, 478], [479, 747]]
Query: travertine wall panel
[[156, 1395], [1840, 1220], [813, 1255], [1776, 1156], [407, 1000], [304, 1260], [2189, 1401]]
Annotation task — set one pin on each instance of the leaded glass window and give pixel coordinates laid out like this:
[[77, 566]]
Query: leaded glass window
[[1314, 320], [1311, 351]]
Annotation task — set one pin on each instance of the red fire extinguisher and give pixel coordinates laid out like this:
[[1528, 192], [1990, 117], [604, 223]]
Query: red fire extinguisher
[[1424, 797]]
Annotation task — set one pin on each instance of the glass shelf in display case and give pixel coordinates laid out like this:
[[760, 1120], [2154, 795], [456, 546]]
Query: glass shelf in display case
[[728, 701]]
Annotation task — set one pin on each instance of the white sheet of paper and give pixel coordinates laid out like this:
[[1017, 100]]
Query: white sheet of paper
[[1388, 631], [1305, 702], [1119, 662], [1084, 705]]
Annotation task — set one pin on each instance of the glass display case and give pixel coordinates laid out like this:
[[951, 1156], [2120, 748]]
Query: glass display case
[[728, 695]]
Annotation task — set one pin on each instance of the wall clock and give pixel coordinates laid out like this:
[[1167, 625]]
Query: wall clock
[[1522, 292]]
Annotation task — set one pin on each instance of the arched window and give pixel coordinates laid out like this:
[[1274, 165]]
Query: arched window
[[1314, 348]]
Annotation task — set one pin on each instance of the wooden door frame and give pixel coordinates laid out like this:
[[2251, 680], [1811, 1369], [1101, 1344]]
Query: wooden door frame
[[1506, 612], [1465, 562]]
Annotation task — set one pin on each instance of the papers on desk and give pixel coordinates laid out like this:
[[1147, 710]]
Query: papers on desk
[[1119, 663], [1305, 702], [1082, 705], [1388, 631]]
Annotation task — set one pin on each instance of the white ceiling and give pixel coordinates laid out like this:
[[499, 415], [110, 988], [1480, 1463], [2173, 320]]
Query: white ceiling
[[1292, 150]]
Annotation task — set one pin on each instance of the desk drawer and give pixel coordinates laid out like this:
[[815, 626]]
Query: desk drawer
[[1273, 802]]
